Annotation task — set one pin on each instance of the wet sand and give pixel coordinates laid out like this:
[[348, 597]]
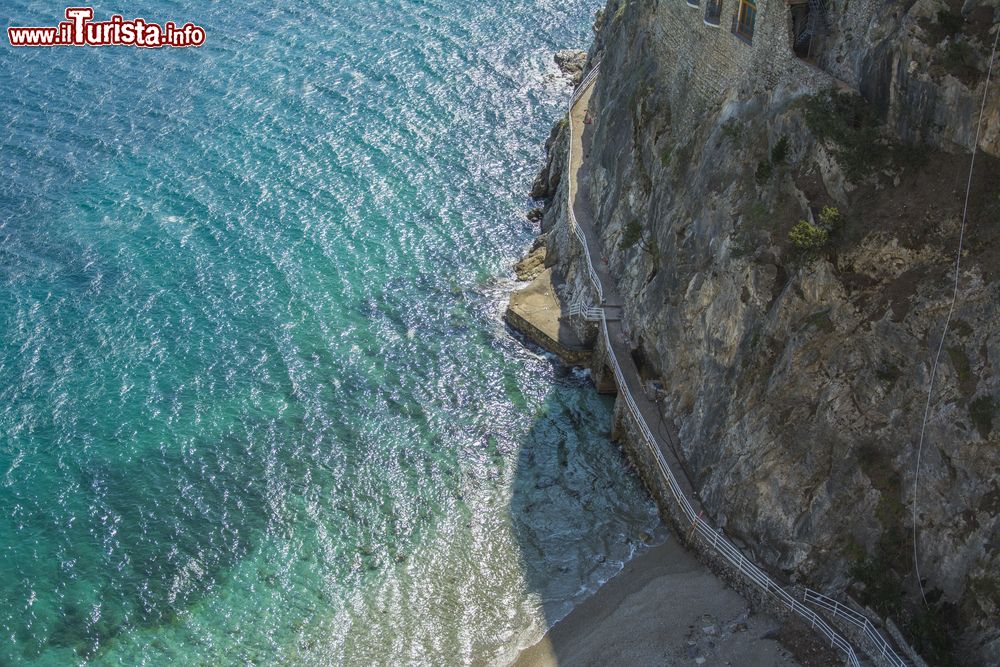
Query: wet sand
[[664, 608]]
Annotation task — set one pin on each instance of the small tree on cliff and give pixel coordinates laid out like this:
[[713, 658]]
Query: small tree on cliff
[[632, 235], [807, 237]]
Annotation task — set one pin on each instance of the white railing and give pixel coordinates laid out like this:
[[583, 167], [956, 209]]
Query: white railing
[[580, 90], [594, 278], [661, 461], [712, 537], [589, 313], [882, 647], [705, 531], [585, 83]]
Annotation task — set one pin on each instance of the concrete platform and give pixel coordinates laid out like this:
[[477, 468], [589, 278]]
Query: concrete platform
[[537, 313]]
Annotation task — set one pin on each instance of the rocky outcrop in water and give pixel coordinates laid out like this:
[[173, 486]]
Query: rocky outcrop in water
[[783, 220], [571, 63], [549, 177]]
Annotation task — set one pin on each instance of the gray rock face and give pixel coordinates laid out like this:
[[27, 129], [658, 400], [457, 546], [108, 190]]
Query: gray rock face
[[571, 63], [549, 177], [798, 377]]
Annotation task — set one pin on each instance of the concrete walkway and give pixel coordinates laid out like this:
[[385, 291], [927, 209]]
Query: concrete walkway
[[538, 313], [579, 193]]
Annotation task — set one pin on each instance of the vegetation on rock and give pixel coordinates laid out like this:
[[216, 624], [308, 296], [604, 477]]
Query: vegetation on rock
[[806, 236]]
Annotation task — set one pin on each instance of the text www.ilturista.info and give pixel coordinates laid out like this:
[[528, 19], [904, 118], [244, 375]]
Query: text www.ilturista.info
[[80, 30]]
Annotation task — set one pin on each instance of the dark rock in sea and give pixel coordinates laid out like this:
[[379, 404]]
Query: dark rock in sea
[[571, 63], [550, 175]]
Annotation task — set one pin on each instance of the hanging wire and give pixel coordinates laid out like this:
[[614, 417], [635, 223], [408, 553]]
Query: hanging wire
[[947, 324]]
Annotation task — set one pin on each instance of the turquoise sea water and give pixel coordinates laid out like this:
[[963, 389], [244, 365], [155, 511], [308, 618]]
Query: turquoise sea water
[[257, 404]]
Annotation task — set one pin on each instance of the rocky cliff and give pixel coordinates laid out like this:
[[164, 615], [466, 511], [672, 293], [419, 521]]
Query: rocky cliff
[[782, 211]]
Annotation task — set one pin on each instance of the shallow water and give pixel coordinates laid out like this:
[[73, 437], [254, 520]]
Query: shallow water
[[257, 404]]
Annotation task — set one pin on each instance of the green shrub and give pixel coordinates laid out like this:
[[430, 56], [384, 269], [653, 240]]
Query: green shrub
[[960, 360], [829, 218], [981, 413], [746, 238], [780, 151], [889, 374], [756, 214], [833, 114], [960, 59], [733, 131], [929, 628], [619, 13], [883, 589], [951, 22], [631, 234], [742, 246], [652, 248], [642, 173], [913, 156], [765, 168], [806, 236], [962, 328], [851, 124], [821, 321], [764, 171]]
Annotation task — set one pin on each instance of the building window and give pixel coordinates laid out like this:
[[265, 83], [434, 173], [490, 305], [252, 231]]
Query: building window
[[713, 12], [746, 16]]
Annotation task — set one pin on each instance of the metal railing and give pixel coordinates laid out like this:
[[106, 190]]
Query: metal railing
[[710, 535], [585, 83], [589, 313], [580, 90], [702, 528], [594, 278], [882, 647]]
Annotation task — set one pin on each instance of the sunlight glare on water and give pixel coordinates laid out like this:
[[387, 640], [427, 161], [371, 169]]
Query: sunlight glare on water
[[257, 404]]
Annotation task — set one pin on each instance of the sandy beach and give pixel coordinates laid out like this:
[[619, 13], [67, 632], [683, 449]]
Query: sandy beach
[[666, 608]]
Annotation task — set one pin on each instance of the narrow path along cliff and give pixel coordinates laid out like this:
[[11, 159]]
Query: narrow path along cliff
[[771, 232], [665, 606], [579, 186]]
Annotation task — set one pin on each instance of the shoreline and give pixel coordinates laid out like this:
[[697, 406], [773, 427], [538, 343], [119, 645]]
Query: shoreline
[[664, 607]]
